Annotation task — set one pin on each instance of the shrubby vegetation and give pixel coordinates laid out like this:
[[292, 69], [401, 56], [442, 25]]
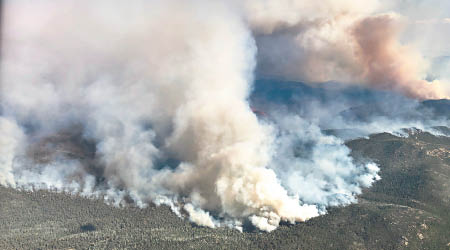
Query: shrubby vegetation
[[408, 209]]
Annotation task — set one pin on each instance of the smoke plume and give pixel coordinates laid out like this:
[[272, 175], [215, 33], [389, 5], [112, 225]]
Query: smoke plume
[[346, 41], [148, 101]]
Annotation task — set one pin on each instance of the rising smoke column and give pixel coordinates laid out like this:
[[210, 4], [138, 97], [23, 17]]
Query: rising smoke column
[[11, 138], [147, 100]]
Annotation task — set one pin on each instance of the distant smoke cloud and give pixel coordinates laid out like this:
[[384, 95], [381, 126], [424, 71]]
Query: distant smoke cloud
[[339, 41], [389, 65], [147, 101]]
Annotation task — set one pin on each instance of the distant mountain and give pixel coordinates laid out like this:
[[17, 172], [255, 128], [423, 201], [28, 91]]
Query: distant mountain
[[430, 109], [352, 103], [287, 92], [439, 108]]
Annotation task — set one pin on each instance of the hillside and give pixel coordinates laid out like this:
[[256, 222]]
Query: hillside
[[408, 209]]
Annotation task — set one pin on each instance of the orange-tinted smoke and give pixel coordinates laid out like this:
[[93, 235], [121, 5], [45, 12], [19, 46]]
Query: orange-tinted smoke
[[389, 65]]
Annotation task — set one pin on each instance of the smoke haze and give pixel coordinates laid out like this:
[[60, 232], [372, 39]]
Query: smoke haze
[[148, 101]]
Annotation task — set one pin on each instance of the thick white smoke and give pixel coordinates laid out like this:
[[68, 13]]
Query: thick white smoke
[[11, 141], [147, 101], [317, 168]]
